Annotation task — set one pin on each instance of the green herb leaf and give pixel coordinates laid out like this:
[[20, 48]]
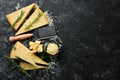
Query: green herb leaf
[[23, 71], [14, 47], [18, 18], [10, 60], [10, 27], [44, 56], [15, 64], [34, 20]]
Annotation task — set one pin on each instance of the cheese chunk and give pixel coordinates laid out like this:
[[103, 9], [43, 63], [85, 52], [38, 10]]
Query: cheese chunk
[[37, 46]]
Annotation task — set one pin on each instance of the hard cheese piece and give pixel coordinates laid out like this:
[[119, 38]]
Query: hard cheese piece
[[41, 21], [38, 60], [14, 15], [27, 66], [36, 46], [22, 52]]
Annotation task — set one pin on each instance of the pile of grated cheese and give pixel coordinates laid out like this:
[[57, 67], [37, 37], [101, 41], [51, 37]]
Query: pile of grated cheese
[[50, 18]]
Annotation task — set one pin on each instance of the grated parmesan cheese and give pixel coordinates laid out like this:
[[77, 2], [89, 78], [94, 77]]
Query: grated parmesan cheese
[[50, 18], [17, 6]]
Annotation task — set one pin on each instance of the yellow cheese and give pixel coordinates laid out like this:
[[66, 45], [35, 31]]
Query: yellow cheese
[[37, 42], [52, 48], [22, 52], [38, 60], [40, 48], [14, 15], [27, 66], [41, 21], [36, 46]]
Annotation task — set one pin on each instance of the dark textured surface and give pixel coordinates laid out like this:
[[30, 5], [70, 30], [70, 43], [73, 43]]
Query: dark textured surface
[[90, 30]]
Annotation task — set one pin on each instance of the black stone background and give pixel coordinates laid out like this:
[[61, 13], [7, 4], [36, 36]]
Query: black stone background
[[90, 30]]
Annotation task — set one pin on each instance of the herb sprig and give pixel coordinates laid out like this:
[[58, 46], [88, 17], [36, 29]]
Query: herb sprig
[[14, 47], [18, 18], [34, 20], [16, 65]]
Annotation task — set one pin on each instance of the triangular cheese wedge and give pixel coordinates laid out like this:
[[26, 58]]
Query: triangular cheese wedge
[[41, 21], [22, 52], [18, 48], [12, 17], [27, 66], [38, 60]]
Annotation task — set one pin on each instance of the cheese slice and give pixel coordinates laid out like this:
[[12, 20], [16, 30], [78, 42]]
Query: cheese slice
[[14, 15], [22, 52], [41, 21], [38, 60], [27, 66]]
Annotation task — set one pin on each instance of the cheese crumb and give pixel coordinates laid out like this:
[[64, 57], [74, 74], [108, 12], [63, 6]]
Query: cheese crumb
[[18, 6]]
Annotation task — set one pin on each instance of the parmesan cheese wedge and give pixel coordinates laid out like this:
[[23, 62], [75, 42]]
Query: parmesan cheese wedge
[[38, 60], [22, 52], [41, 21], [27, 66], [14, 15]]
